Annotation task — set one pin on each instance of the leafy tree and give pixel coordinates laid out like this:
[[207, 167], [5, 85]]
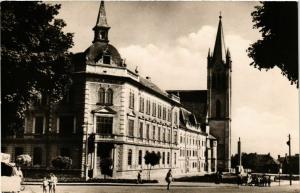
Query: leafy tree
[[152, 159], [62, 162], [106, 166], [35, 58], [278, 23]]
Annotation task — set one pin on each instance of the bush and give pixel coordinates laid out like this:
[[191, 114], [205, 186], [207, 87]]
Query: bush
[[23, 160], [61, 162]]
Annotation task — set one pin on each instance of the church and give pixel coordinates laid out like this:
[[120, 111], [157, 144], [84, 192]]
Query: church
[[112, 114]]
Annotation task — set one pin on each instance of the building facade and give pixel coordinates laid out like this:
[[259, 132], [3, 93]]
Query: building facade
[[112, 114]]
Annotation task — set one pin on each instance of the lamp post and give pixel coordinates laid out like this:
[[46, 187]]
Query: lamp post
[[290, 168]]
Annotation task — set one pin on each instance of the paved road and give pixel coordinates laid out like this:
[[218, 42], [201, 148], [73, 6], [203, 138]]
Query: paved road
[[177, 188]]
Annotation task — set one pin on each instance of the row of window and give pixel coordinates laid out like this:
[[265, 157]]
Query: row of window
[[188, 153], [158, 133], [165, 157], [158, 110], [190, 141], [65, 125]]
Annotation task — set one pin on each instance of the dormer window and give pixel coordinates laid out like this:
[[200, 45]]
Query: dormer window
[[106, 59]]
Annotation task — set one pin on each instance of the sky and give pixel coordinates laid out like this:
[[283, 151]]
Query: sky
[[169, 42]]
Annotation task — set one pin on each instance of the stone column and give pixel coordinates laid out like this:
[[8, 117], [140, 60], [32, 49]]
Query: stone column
[[95, 169]]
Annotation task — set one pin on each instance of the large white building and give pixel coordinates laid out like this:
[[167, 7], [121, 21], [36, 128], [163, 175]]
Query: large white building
[[112, 113]]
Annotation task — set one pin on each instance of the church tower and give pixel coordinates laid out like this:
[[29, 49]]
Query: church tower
[[219, 98]]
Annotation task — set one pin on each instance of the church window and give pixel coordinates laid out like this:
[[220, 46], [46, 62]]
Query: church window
[[101, 94], [218, 109], [109, 97]]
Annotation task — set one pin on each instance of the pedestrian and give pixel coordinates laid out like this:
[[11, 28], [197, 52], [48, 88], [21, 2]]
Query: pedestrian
[[139, 177], [269, 181], [45, 185], [169, 178], [52, 183]]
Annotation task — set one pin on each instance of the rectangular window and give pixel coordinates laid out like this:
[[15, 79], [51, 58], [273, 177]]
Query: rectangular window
[[141, 130], [153, 136], [163, 158], [159, 134], [159, 111], [164, 113], [169, 115], [131, 100], [153, 109], [148, 131], [129, 157], [168, 135], [140, 157], [175, 157], [175, 137], [106, 59], [141, 104], [175, 118], [148, 107], [39, 125], [168, 158], [164, 134], [130, 127], [104, 125], [66, 124]]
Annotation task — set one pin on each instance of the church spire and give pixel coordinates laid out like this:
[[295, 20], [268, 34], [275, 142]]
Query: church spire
[[101, 28], [219, 49]]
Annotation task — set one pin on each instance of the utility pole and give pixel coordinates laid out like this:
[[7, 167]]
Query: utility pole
[[289, 160]]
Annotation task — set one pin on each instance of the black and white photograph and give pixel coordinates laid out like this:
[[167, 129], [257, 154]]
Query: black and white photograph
[[149, 96]]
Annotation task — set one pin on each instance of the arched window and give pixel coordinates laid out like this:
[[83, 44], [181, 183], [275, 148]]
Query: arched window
[[109, 97], [218, 109], [37, 156], [129, 157], [101, 94]]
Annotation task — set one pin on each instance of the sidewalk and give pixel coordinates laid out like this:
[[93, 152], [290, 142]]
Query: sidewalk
[[162, 184]]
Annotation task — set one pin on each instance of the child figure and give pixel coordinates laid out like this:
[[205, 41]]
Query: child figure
[[45, 185]]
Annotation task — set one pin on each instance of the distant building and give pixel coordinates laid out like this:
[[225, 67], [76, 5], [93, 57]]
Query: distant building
[[294, 164], [111, 112]]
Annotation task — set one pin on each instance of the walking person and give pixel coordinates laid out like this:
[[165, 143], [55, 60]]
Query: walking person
[[52, 183], [169, 178], [139, 177], [45, 185]]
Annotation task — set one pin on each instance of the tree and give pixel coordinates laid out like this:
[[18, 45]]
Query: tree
[[62, 162], [278, 23], [151, 159], [35, 58]]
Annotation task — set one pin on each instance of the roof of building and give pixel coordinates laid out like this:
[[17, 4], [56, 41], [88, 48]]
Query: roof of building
[[152, 86], [193, 100]]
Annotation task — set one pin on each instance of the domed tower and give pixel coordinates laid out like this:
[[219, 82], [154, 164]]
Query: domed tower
[[219, 98]]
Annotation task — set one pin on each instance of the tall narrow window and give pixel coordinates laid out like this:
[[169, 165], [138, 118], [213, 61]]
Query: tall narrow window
[[129, 157], [148, 107], [37, 156], [163, 157], [159, 111], [153, 109], [175, 137], [109, 97], [175, 118], [218, 109], [140, 157], [159, 133], [164, 134], [164, 113], [175, 158], [169, 115], [131, 100], [101, 95], [130, 128], [154, 133], [148, 131], [39, 125], [168, 158], [141, 130], [141, 104]]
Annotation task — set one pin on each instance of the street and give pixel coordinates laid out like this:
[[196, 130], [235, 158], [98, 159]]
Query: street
[[160, 188]]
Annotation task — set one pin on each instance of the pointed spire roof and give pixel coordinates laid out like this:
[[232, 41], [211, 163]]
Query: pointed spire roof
[[101, 19], [219, 49]]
